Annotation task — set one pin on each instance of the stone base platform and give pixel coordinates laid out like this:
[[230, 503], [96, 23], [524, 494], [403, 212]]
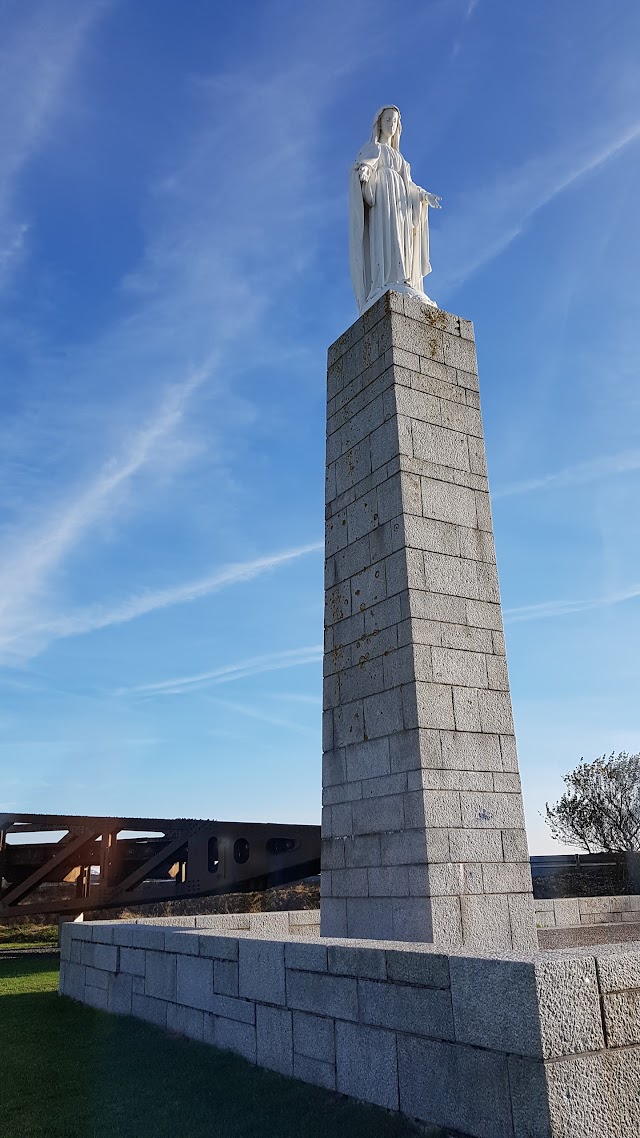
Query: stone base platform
[[491, 1046]]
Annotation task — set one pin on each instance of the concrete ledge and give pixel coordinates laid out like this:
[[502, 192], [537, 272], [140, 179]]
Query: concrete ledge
[[502, 1045], [583, 935]]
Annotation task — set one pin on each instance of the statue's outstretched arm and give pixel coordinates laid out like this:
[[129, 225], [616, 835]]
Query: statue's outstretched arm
[[431, 199]]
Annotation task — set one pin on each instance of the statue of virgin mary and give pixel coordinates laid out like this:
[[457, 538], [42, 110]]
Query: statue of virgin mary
[[388, 218]]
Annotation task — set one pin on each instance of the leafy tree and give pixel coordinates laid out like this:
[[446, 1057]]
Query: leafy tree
[[600, 809]]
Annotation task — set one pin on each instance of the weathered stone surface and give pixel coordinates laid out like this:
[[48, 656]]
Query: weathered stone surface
[[568, 1006], [323, 994], [123, 934], [420, 772], [314, 1071], [185, 1021], [96, 978], [185, 941], [145, 1007], [194, 982], [105, 956], [120, 994], [148, 936], [310, 957], [366, 1064], [422, 1011], [160, 975], [274, 1039], [313, 1036], [72, 981], [542, 1009], [621, 1011], [595, 1095], [529, 1098], [364, 962], [464, 1088], [133, 960], [98, 998], [225, 977], [262, 975], [618, 971], [220, 947], [426, 969], [231, 1035]]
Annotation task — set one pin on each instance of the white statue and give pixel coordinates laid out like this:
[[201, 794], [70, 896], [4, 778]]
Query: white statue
[[388, 218]]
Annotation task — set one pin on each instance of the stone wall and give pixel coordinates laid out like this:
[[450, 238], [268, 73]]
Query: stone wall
[[574, 921], [509, 1046], [571, 911]]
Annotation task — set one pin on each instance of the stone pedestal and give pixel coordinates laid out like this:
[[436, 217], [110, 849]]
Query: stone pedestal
[[423, 827]]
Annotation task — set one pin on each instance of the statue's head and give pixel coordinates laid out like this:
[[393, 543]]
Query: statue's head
[[388, 118]]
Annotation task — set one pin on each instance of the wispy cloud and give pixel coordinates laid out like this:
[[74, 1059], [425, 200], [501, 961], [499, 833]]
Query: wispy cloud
[[251, 712], [483, 224], [209, 270], [24, 636], [31, 558], [39, 50], [297, 697], [546, 610], [255, 666], [580, 474], [89, 620]]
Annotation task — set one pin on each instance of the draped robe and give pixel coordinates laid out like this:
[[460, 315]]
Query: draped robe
[[388, 238]]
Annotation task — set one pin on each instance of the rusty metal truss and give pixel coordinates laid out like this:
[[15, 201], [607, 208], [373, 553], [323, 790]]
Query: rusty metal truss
[[109, 863]]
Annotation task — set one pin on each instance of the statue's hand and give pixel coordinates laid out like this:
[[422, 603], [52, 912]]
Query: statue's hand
[[432, 199], [364, 173]]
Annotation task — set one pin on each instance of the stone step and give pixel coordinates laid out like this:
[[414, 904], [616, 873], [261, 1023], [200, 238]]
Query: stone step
[[614, 933]]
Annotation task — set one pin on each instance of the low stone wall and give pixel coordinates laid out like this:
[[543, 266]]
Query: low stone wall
[[581, 921], [509, 1046], [297, 922], [570, 911]]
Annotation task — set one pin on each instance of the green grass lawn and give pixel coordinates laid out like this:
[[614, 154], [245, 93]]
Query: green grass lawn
[[27, 935], [68, 1071]]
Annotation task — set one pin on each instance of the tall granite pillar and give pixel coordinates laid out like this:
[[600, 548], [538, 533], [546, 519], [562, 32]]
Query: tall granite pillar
[[423, 828]]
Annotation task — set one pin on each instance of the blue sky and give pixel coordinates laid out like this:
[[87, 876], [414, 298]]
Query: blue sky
[[173, 265]]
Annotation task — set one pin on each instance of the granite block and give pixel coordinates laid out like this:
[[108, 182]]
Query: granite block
[[225, 977], [185, 1021], [366, 1064], [133, 960], [356, 961], [621, 1014], [420, 969], [313, 1036], [465, 1089], [314, 1071], [160, 975], [274, 1039], [149, 1009], [105, 956], [402, 1007], [232, 1035], [120, 994], [323, 994], [195, 982], [262, 971]]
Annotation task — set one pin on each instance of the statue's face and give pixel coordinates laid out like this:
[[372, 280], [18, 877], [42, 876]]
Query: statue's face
[[389, 121]]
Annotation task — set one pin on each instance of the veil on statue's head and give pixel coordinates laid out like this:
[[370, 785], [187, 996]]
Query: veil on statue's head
[[394, 141]]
